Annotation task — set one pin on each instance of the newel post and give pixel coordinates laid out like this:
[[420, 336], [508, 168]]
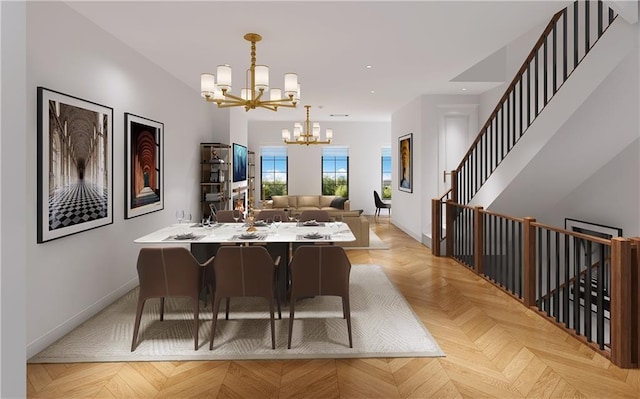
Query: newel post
[[621, 310], [478, 240], [450, 229], [635, 301], [454, 187], [436, 226], [529, 295]]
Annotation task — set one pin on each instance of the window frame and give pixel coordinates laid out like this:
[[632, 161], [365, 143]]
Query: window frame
[[335, 172], [274, 159]]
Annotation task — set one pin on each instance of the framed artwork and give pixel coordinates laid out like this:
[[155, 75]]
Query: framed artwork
[[75, 165], [144, 170], [405, 163], [239, 162], [587, 254]]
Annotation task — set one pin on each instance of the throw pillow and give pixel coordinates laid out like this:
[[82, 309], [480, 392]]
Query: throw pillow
[[280, 201], [338, 202]]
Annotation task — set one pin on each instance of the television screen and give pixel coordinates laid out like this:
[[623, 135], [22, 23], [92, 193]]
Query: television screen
[[239, 162]]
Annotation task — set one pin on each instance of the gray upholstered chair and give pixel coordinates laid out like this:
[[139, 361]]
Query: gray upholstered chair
[[245, 272], [320, 270], [169, 272]]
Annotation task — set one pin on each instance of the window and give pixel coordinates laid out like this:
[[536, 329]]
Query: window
[[386, 173], [273, 171], [335, 171]]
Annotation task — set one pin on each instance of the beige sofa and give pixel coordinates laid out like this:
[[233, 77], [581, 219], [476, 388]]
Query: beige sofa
[[299, 203]]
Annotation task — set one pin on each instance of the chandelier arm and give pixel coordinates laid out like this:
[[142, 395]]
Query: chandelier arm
[[231, 97], [269, 107], [230, 104]]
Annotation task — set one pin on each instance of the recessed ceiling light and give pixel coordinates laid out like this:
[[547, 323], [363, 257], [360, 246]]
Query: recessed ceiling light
[[369, 66], [373, 91], [464, 89]]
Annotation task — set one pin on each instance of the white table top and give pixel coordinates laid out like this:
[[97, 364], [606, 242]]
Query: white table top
[[233, 232]]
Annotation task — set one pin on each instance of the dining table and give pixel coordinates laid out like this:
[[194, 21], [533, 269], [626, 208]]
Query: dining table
[[280, 240]]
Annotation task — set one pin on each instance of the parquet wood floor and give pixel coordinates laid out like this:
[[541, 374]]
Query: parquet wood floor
[[495, 347]]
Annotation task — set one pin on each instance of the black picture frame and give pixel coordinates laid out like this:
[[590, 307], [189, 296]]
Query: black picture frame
[[239, 162], [578, 247], [75, 165], [405, 163], [144, 166]]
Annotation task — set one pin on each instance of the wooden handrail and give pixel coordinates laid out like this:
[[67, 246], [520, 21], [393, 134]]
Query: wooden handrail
[[515, 219], [573, 234], [445, 195], [513, 83]]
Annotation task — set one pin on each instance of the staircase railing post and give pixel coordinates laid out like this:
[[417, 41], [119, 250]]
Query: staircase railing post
[[450, 229], [478, 241], [635, 301], [454, 186], [621, 311], [529, 283], [436, 226]]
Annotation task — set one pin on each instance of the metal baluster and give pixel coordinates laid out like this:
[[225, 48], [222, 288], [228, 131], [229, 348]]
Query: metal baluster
[[548, 301], [565, 54], [576, 283], [520, 106], [544, 72], [575, 34], [520, 260], [555, 58], [556, 295], [586, 27], [587, 293], [565, 292], [540, 272], [600, 16], [600, 299]]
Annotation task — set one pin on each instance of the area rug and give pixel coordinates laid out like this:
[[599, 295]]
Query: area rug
[[383, 325], [374, 242]]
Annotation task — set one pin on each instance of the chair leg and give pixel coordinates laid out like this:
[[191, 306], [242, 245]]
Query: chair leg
[[162, 309], [196, 319], [292, 305], [345, 305], [215, 309], [136, 325], [273, 326]]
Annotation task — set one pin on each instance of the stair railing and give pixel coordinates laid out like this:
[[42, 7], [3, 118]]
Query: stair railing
[[564, 43], [586, 285]]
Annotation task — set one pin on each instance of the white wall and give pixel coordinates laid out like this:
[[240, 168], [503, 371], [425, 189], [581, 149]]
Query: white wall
[[71, 278], [407, 207], [365, 141], [609, 197], [13, 199]]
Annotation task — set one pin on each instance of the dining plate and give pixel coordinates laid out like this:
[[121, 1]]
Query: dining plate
[[248, 235], [313, 235], [184, 236]]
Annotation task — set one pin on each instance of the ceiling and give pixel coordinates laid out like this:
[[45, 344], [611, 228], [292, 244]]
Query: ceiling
[[414, 47]]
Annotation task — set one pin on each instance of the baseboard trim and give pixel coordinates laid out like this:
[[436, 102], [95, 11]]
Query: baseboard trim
[[67, 326]]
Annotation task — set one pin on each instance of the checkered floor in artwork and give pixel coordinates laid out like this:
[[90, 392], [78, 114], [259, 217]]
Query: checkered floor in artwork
[[77, 203]]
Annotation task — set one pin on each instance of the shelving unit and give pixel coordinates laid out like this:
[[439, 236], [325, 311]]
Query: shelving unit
[[215, 179], [251, 177]]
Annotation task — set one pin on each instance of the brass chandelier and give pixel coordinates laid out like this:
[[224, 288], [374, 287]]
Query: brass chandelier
[[310, 135], [257, 80]]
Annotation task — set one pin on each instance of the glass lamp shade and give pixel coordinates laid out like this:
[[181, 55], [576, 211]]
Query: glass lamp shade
[[245, 94], [262, 77], [290, 84], [297, 95], [296, 131], [224, 77], [286, 134], [217, 94], [207, 84], [329, 134], [316, 131], [275, 94]]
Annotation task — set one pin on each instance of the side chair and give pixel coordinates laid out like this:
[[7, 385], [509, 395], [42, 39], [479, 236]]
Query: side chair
[[170, 272], [320, 270], [245, 272]]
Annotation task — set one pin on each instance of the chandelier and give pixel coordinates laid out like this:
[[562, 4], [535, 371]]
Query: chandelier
[[257, 82], [308, 135]]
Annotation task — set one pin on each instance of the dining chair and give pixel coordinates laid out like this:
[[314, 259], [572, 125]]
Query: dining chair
[[313, 214], [380, 204], [170, 272], [245, 272], [316, 271], [226, 216], [270, 213]]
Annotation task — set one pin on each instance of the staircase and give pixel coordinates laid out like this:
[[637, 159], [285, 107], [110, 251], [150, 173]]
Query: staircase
[[553, 90]]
